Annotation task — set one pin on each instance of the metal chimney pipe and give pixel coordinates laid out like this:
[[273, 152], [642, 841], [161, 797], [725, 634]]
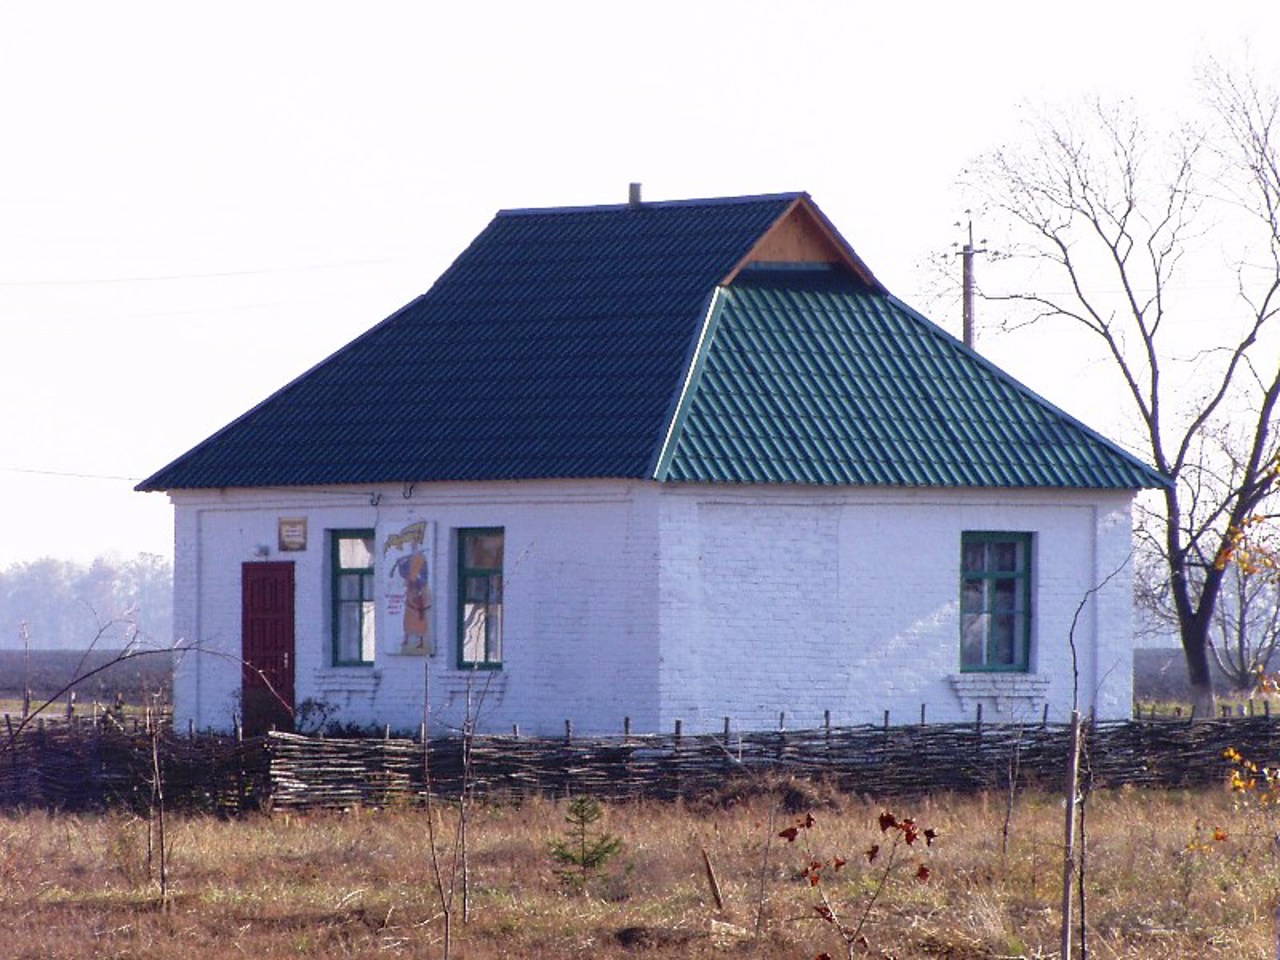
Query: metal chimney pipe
[[633, 195]]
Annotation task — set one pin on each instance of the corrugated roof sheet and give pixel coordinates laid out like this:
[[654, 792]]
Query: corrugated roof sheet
[[809, 377], [557, 346], [554, 346]]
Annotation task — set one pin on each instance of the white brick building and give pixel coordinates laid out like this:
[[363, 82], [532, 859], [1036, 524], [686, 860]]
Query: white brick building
[[653, 463]]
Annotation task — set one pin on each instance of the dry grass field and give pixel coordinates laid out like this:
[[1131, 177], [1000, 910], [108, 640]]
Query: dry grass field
[[1177, 874]]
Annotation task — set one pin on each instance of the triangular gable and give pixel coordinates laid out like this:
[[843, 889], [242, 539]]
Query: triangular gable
[[804, 235]]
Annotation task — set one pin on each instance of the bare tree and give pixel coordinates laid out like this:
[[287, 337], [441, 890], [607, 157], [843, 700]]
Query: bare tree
[[1120, 225], [1246, 629]]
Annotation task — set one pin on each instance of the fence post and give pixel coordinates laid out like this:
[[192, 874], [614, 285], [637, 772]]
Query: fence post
[[886, 720], [568, 729], [978, 727], [1069, 838], [922, 706], [726, 731], [626, 726], [679, 728], [782, 721]]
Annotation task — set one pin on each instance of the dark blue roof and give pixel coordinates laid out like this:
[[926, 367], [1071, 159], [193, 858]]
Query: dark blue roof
[[555, 346], [592, 342]]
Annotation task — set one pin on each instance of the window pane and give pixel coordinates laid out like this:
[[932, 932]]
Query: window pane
[[1002, 640], [973, 639], [348, 632], [973, 557], [355, 552], [349, 586], [1004, 597], [477, 589], [366, 632], [494, 634], [483, 550], [474, 628], [1005, 556], [972, 596]]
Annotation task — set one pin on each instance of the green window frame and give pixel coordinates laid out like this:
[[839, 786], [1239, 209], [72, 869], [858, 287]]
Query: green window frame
[[351, 589], [479, 612], [995, 602]]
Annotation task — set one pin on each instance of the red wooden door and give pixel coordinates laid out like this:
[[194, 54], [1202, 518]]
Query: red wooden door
[[266, 605]]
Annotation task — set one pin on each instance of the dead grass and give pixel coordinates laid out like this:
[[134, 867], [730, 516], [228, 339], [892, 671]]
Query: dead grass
[[358, 885]]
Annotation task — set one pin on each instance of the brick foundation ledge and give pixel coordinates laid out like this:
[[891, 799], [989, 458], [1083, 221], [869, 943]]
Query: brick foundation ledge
[[1021, 693]]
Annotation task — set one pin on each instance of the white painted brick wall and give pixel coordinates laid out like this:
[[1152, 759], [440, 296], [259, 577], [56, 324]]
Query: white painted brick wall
[[767, 602]]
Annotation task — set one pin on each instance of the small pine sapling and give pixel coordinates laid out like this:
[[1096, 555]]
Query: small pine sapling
[[584, 848]]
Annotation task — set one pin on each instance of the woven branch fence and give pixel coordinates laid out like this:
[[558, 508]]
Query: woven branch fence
[[880, 761], [68, 768], [80, 766]]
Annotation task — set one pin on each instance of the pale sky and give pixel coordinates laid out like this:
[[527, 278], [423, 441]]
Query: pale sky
[[200, 201]]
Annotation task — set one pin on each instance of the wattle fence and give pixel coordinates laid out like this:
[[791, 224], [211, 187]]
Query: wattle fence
[[76, 767]]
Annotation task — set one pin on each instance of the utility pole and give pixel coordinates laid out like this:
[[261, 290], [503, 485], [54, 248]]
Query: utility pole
[[966, 261]]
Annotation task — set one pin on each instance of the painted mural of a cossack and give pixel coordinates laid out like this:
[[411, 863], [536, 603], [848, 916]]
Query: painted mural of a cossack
[[412, 569]]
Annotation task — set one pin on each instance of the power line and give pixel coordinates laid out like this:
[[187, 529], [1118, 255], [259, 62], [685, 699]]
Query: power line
[[163, 278], [68, 474]]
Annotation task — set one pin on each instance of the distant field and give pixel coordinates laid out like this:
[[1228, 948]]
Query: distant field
[[138, 680]]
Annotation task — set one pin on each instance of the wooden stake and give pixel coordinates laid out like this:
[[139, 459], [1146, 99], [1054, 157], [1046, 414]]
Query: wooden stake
[[1069, 838], [711, 880]]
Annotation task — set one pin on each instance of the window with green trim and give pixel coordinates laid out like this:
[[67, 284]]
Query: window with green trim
[[351, 590], [480, 597], [995, 601]]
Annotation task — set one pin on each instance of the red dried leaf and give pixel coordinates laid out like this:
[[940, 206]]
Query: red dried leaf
[[930, 835], [789, 834], [824, 912], [872, 852], [923, 873], [909, 831], [808, 821], [887, 821], [838, 862]]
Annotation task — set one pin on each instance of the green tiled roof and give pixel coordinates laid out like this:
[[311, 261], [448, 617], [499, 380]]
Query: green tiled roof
[[807, 377]]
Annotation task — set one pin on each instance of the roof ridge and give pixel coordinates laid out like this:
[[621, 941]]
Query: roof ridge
[[657, 204]]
